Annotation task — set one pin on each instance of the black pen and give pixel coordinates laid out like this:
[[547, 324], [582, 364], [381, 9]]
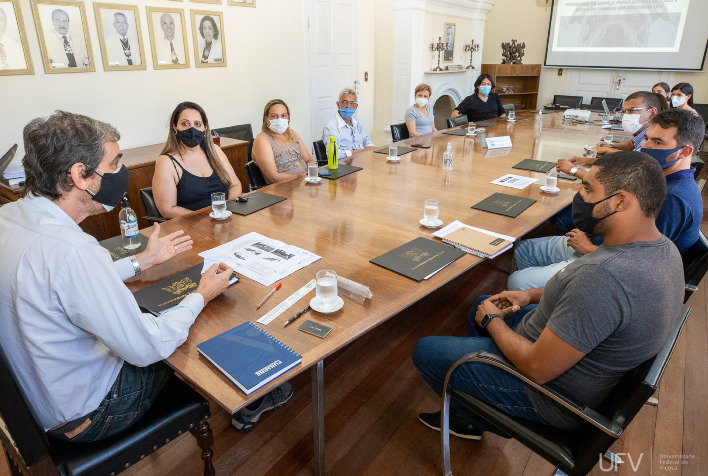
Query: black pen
[[296, 316]]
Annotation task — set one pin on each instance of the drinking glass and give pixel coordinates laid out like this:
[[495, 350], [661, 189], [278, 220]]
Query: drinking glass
[[326, 287], [218, 203], [609, 137], [393, 152], [312, 172], [470, 128], [512, 115], [605, 118], [431, 210], [551, 180], [590, 151]]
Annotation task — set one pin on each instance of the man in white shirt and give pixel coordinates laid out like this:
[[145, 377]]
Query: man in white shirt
[[11, 54], [347, 128], [64, 49], [170, 48], [122, 49], [86, 357]]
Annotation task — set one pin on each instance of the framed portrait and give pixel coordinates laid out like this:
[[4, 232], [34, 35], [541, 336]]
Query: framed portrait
[[208, 39], [15, 57], [62, 31], [168, 37], [449, 51], [242, 3], [120, 36], [213, 2]]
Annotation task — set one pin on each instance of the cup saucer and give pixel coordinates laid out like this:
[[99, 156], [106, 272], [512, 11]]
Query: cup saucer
[[316, 305], [313, 180], [552, 190], [226, 214], [437, 223], [393, 159]]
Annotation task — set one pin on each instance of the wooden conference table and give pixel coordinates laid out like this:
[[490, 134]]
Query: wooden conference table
[[352, 220]]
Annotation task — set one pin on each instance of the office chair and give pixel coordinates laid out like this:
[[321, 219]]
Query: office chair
[[399, 132], [30, 450], [573, 452], [695, 265], [457, 121], [256, 179], [613, 104], [320, 152], [153, 214], [568, 101], [241, 132]]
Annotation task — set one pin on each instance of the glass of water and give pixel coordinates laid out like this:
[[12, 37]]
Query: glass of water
[[218, 203], [326, 288], [392, 152], [551, 180], [431, 210], [470, 128], [512, 115], [312, 172], [605, 118], [609, 137]]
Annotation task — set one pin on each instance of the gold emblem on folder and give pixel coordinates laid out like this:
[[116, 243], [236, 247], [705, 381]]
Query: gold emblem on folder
[[415, 255], [180, 287]]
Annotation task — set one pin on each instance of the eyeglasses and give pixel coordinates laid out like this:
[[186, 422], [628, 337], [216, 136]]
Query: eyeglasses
[[344, 103], [633, 110]]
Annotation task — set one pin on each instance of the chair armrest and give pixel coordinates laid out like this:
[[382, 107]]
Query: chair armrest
[[156, 219], [583, 411]]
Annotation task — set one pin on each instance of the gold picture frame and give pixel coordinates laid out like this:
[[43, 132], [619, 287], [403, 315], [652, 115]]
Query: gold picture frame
[[120, 36], [167, 54], [449, 37], [213, 2], [242, 3], [217, 53], [53, 20], [17, 58]]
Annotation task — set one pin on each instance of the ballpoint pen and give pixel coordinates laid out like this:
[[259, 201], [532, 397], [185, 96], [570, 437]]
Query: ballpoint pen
[[296, 316], [269, 295]]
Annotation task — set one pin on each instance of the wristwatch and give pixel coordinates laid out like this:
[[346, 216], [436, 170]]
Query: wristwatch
[[136, 265], [574, 171], [487, 319]]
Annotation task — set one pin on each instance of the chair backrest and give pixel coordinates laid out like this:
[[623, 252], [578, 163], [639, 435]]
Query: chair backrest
[[241, 132], [320, 152], [457, 121], [702, 109], [508, 107], [570, 101], [700, 184], [255, 176], [613, 104], [695, 265], [697, 164], [399, 132], [149, 202]]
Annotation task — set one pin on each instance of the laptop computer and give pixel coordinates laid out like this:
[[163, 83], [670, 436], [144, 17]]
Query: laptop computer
[[7, 158]]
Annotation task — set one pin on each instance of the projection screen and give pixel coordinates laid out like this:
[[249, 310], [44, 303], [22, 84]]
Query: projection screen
[[628, 34]]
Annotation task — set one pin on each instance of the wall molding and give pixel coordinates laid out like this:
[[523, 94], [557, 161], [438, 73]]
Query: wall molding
[[467, 9]]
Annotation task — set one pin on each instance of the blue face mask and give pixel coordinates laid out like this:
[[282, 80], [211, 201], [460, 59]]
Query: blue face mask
[[485, 90], [660, 155], [346, 112]]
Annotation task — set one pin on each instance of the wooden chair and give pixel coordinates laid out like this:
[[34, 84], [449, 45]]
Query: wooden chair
[[241, 132], [30, 451], [573, 452], [457, 121], [153, 214], [320, 152], [399, 132], [256, 179]]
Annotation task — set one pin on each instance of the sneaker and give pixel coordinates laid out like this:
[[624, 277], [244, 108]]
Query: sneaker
[[458, 426], [247, 418]]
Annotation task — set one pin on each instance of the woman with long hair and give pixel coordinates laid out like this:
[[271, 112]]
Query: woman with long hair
[[191, 167], [682, 96]]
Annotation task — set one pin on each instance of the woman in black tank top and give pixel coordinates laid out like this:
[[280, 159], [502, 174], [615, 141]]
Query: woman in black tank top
[[191, 166]]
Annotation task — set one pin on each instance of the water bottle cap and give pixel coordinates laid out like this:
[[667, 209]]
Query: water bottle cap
[[124, 202]]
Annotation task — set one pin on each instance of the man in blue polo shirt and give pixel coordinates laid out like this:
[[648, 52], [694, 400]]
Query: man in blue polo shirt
[[671, 140]]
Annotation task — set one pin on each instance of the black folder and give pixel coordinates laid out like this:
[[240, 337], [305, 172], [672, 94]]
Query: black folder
[[166, 294], [456, 132], [535, 165], [419, 258], [504, 204], [115, 247], [402, 150], [341, 171], [256, 201]]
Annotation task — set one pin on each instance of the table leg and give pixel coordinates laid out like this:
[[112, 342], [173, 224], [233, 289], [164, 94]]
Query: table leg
[[318, 416]]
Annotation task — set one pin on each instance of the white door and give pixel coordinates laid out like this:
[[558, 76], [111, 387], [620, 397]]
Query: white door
[[332, 49], [612, 83]]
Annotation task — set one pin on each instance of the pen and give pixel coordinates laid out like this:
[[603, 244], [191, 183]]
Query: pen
[[269, 295], [296, 316]]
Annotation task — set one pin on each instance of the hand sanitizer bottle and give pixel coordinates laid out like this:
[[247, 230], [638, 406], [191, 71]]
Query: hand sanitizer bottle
[[447, 158], [128, 225]]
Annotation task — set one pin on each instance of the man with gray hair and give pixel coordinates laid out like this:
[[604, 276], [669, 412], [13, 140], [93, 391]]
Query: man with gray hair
[[345, 127], [64, 48], [86, 357]]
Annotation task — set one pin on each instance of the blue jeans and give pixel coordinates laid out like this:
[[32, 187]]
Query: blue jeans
[[538, 260], [433, 357], [563, 220], [129, 399]]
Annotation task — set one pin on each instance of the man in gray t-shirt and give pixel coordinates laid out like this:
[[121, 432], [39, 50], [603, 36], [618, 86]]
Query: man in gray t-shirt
[[596, 319]]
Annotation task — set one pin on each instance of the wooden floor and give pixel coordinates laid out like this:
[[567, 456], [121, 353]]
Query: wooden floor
[[373, 395]]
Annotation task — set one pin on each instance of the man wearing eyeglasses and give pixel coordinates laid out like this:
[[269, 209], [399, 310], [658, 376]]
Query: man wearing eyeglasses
[[638, 110], [347, 129]]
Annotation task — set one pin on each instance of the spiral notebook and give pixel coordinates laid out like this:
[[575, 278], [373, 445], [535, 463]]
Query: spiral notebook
[[249, 356], [477, 242]]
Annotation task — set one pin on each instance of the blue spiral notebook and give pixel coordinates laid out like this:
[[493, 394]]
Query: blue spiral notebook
[[249, 356]]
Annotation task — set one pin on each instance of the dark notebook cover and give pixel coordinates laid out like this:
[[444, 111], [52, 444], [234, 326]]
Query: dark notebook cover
[[249, 356], [503, 204], [456, 132], [256, 201], [486, 124], [402, 150], [163, 295], [115, 247], [419, 258], [535, 165], [340, 172]]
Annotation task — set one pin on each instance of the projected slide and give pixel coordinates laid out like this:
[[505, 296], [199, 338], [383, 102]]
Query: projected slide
[[620, 25]]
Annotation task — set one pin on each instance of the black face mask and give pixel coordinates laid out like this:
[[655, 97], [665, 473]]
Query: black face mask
[[582, 213], [190, 137], [113, 187]]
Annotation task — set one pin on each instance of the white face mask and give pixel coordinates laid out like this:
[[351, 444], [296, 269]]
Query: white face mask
[[678, 101], [630, 123], [422, 102], [279, 125]]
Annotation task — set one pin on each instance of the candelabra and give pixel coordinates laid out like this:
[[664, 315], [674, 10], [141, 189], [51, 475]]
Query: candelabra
[[440, 46], [472, 48]]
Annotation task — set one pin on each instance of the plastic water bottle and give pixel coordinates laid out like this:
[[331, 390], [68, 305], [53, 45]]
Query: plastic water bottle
[[447, 158], [539, 120], [128, 225], [332, 153]]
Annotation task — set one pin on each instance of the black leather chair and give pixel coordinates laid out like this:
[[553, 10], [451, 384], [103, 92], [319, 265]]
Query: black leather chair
[[153, 215], [569, 101], [320, 152], [457, 121], [399, 132], [256, 179], [695, 265], [613, 104], [575, 452], [241, 132], [30, 450], [697, 164]]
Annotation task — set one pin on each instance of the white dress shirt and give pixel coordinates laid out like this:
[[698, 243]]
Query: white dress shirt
[[114, 50], [164, 52], [57, 53], [68, 322], [348, 137], [14, 55]]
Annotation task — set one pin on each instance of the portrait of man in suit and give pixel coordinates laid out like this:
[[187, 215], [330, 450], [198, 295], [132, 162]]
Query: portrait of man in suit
[[168, 39], [449, 42], [12, 55], [63, 30], [121, 37]]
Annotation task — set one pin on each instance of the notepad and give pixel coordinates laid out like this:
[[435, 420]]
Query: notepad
[[478, 242], [249, 356]]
